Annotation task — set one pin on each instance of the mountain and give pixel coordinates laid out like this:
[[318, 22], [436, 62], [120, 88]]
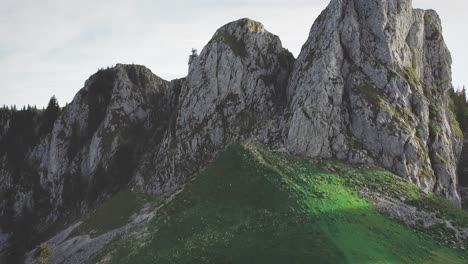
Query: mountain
[[369, 87]]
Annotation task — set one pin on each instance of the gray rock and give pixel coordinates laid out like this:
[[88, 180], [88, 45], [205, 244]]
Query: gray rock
[[90, 153], [98, 132], [450, 232], [371, 82], [234, 89]]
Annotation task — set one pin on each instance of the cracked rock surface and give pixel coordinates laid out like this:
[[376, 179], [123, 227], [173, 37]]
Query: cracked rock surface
[[370, 85]]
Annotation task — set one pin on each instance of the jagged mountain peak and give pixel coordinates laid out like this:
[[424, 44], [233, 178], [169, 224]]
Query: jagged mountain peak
[[138, 75], [234, 88], [243, 24], [245, 37]]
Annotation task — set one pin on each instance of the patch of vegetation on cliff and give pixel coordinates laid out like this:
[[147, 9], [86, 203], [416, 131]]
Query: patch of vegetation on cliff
[[407, 74], [44, 254], [456, 126], [436, 33], [459, 108], [426, 171], [375, 97], [253, 205], [252, 25], [236, 45], [412, 75], [371, 94]]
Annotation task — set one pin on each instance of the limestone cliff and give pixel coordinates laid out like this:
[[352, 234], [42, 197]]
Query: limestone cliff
[[90, 153], [233, 90], [370, 85]]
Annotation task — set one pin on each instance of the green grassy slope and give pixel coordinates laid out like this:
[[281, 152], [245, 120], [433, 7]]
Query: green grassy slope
[[255, 206], [114, 213]]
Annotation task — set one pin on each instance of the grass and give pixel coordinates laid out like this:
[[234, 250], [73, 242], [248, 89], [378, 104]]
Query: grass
[[252, 25], [114, 213], [412, 75], [256, 206], [44, 254]]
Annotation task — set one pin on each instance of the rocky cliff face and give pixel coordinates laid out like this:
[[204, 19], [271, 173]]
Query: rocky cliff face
[[369, 86], [91, 152], [233, 90], [95, 141]]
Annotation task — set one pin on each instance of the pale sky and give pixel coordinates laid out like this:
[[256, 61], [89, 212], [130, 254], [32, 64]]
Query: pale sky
[[50, 47]]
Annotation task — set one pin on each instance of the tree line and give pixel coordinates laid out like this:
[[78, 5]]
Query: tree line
[[459, 106], [25, 128]]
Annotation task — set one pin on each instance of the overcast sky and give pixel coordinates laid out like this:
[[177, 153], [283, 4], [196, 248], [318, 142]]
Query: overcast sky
[[50, 47]]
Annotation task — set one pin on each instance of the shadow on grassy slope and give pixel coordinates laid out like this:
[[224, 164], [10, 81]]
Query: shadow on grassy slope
[[255, 206], [114, 213]]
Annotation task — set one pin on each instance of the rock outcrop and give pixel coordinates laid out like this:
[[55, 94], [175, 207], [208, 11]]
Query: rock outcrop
[[234, 88], [369, 86], [90, 153]]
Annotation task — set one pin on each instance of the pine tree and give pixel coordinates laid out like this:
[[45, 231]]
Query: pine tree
[[51, 114], [193, 56]]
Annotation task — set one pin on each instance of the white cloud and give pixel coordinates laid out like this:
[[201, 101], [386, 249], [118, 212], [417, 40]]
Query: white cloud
[[52, 46]]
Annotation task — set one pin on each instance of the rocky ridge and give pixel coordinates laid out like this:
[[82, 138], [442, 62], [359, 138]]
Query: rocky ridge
[[369, 86]]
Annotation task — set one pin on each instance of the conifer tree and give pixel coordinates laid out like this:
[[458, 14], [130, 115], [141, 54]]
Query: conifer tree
[[51, 114]]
